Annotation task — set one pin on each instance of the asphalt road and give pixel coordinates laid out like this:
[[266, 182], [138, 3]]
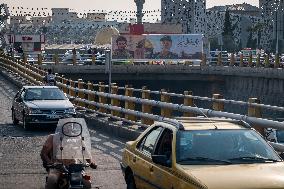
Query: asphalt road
[[20, 163]]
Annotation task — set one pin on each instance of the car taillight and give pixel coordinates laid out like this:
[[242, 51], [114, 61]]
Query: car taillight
[[87, 177]]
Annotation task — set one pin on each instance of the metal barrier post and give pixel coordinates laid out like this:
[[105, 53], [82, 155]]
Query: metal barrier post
[[250, 60], [277, 61], [25, 58], [146, 108], [255, 112], [81, 94], [93, 59], [219, 60], [257, 64], [64, 81], [72, 91], [188, 101], [74, 59], [102, 99], [266, 61], [115, 102], [91, 97], [55, 59], [165, 98], [218, 106], [39, 59], [129, 105], [203, 60], [232, 59], [241, 60]]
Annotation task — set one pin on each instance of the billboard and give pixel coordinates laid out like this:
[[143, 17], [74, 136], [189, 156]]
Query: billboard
[[157, 47]]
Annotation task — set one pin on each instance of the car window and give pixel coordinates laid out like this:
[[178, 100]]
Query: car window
[[164, 145], [44, 94], [147, 143], [236, 146]]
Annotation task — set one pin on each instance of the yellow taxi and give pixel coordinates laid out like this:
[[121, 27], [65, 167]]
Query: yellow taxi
[[197, 153]]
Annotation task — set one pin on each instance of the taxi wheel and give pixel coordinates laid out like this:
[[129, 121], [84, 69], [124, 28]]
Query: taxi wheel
[[130, 181]]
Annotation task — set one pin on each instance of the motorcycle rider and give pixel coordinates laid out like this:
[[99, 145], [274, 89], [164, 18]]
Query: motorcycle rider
[[49, 156], [49, 79]]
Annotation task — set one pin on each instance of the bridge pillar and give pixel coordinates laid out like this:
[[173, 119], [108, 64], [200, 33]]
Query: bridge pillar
[[39, 59], [102, 100], [257, 64], [219, 60], [115, 102], [266, 61], [277, 61], [218, 106], [188, 101], [232, 59], [91, 97], [146, 108], [241, 60], [93, 59], [129, 105], [250, 60], [165, 98], [255, 112], [81, 94]]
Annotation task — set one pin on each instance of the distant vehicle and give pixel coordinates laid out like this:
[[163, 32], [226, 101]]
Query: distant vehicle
[[40, 105], [193, 153], [68, 57]]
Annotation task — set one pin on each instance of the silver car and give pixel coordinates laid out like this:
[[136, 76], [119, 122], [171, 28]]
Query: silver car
[[41, 105]]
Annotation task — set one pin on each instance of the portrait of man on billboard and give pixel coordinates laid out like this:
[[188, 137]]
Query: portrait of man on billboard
[[165, 53], [121, 52]]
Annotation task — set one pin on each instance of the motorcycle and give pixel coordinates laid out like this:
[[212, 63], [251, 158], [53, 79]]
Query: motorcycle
[[71, 176], [72, 152]]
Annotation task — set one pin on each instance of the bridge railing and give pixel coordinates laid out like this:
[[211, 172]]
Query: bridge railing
[[138, 109], [265, 60]]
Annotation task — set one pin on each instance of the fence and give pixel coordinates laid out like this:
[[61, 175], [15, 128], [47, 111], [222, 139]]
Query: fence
[[266, 60]]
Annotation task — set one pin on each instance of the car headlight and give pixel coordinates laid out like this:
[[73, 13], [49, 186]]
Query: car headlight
[[34, 111], [70, 111]]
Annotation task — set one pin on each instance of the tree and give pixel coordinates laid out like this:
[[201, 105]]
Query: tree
[[227, 34]]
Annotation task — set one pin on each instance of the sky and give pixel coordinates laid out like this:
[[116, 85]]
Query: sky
[[81, 5]]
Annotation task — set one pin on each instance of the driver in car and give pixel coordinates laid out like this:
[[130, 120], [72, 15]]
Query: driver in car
[[48, 157]]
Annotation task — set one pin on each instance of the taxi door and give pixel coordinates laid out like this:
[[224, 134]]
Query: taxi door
[[142, 159]]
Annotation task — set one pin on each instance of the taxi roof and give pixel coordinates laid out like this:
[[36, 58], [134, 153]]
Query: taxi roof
[[39, 87], [201, 123]]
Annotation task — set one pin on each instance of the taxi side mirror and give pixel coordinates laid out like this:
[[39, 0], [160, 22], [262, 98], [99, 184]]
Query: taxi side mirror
[[161, 160], [71, 99]]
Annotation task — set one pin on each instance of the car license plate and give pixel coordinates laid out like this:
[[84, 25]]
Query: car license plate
[[53, 116]]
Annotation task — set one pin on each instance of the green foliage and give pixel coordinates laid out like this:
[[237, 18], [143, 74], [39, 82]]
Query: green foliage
[[227, 34]]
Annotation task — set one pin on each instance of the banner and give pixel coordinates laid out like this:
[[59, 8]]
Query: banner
[[157, 47]]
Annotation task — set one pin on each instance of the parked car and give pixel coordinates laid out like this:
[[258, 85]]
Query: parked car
[[68, 58], [201, 153], [40, 105]]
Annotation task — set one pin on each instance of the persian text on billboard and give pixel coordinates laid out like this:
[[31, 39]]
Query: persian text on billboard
[[157, 47]]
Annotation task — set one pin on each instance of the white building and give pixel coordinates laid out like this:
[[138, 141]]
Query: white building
[[62, 14]]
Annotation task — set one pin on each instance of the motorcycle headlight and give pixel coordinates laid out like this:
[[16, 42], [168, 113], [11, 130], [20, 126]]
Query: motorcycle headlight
[[76, 177], [70, 111], [34, 111]]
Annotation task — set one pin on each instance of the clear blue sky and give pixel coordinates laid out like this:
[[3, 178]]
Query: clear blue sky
[[107, 4]]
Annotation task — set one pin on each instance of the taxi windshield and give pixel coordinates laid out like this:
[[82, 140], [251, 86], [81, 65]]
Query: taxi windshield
[[223, 147]]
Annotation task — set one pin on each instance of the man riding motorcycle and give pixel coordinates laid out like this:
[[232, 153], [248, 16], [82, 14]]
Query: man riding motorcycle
[[49, 79], [69, 145]]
